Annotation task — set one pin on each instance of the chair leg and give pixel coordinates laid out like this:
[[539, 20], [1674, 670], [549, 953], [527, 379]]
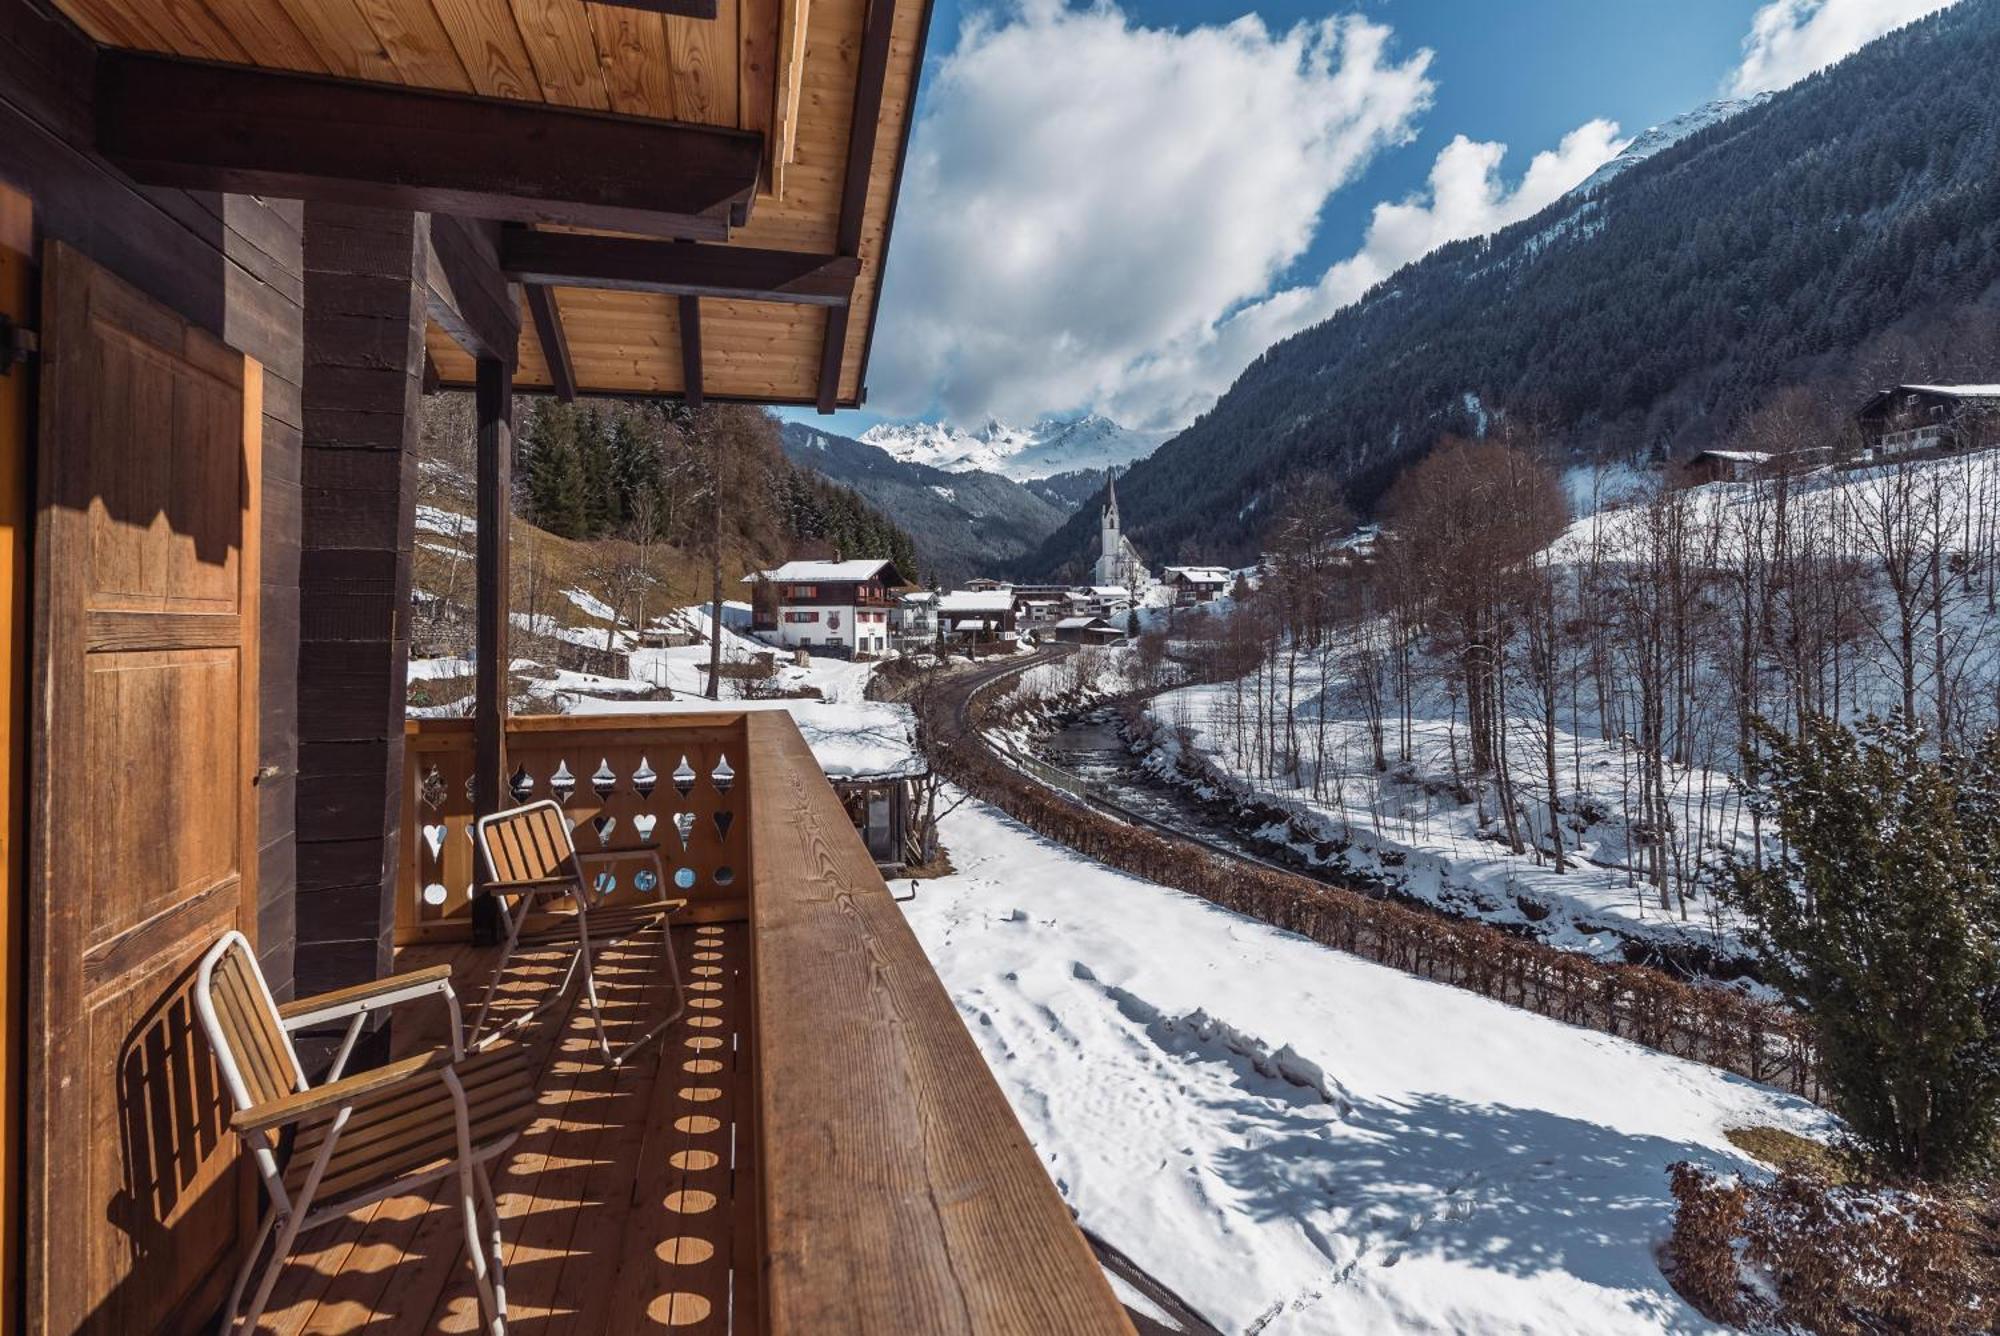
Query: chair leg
[[590, 986], [485, 1184], [243, 1272], [492, 989], [680, 996], [286, 1236], [475, 1247], [478, 1039]]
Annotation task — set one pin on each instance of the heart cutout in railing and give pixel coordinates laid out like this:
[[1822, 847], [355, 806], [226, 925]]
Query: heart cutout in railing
[[643, 825], [684, 827], [723, 820], [434, 840], [604, 824]]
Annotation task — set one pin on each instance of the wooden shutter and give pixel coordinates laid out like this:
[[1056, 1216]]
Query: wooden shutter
[[142, 846]]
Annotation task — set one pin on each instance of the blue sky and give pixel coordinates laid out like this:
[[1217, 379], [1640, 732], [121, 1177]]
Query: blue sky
[[1114, 208]]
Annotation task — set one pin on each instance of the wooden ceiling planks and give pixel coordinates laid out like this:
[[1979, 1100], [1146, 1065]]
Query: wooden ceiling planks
[[489, 46], [783, 68]]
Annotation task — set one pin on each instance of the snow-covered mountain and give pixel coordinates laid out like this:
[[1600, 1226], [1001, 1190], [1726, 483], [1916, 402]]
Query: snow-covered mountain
[[1051, 445], [1668, 133]]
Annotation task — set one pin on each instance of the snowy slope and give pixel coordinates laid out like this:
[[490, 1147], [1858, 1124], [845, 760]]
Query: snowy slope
[[1051, 445], [1666, 134], [1298, 1141]]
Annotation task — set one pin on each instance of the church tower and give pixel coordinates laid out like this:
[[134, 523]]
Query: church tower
[[1108, 534], [1117, 563]]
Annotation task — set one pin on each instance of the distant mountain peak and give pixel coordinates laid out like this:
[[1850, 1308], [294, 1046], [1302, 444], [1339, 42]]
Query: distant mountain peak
[[1666, 134], [1052, 444]]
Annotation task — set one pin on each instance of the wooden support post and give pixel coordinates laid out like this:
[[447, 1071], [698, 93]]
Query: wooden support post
[[494, 406], [364, 356], [690, 308]]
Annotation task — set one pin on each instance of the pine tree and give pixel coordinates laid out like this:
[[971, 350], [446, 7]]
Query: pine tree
[[1880, 918]]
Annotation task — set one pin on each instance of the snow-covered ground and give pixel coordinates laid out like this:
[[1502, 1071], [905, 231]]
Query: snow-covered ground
[[1298, 1141], [1408, 828]]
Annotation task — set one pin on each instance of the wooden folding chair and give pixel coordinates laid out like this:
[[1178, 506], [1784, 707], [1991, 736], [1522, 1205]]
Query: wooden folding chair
[[531, 861], [364, 1137]]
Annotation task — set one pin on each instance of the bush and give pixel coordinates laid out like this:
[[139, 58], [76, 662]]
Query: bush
[[1840, 1261], [1877, 917]]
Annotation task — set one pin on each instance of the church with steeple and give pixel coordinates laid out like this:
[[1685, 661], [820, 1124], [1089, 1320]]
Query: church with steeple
[[1118, 561]]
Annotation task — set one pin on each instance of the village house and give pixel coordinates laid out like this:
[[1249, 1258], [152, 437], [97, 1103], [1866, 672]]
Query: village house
[[245, 897], [913, 621], [978, 615], [1908, 418], [1087, 631], [1197, 584], [839, 608]]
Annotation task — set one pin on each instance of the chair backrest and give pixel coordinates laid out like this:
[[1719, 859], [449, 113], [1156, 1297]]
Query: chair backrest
[[530, 843], [240, 1016]]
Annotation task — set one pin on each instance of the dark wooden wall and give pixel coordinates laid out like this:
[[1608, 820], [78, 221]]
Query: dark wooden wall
[[230, 263], [366, 299]]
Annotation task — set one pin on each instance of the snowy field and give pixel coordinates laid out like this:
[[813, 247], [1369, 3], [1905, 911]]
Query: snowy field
[[1298, 1141]]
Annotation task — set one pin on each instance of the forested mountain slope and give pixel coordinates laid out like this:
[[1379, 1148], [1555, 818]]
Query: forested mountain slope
[[1842, 234], [961, 523]]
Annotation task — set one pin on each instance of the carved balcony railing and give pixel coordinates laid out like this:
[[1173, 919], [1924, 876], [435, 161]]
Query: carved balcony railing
[[671, 786]]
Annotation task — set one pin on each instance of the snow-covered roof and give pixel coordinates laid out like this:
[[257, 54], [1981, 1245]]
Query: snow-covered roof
[[1957, 391], [1110, 591], [1080, 623], [1736, 456], [919, 596], [862, 739], [977, 600], [824, 572], [1200, 574], [975, 624]]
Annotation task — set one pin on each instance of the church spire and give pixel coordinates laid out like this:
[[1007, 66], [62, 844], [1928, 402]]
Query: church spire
[[1110, 498]]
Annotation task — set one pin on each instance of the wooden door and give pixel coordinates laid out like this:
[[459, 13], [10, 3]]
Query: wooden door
[[16, 275], [142, 847]]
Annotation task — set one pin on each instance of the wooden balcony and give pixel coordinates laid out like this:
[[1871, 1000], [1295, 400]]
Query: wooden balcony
[[816, 1147]]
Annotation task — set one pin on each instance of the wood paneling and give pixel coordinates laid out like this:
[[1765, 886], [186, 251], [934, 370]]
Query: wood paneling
[[16, 278], [889, 1152], [144, 837]]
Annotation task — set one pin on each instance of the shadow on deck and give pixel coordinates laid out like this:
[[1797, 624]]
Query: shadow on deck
[[624, 1201]]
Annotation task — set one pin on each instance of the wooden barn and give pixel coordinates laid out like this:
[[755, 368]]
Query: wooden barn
[[239, 239], [1905, 419]]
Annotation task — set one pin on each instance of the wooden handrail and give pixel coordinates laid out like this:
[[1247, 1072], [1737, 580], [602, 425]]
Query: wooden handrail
[[899, 1193]]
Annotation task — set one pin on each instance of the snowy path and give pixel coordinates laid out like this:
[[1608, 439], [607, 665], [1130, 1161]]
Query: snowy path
[[1295, 1140]]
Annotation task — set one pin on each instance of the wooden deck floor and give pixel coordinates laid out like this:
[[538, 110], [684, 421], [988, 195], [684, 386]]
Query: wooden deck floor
[[621, 1203]]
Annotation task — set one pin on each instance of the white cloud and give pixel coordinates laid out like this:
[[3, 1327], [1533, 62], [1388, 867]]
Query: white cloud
[[1789, 39], [1084, 195], [1466, 198]]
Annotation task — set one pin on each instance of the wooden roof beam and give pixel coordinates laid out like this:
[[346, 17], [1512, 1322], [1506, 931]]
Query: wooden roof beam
[[199, 126], [691, 350], [555, 343], [678, 269], [868, 82]]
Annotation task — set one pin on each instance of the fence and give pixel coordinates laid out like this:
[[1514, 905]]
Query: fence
[[1740, 1034]]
